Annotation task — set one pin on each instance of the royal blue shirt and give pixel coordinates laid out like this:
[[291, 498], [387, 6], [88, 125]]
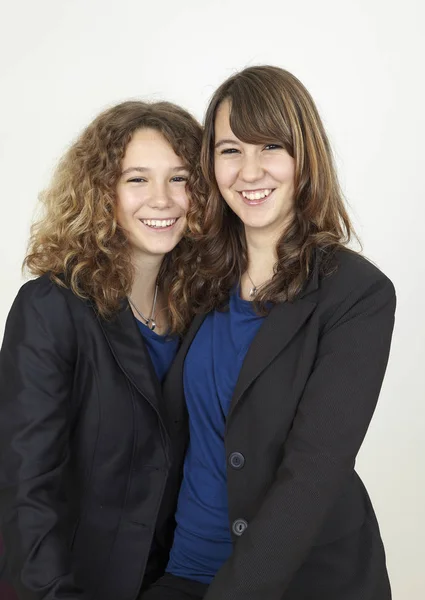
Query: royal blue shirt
[[162, 349], [202, 541]]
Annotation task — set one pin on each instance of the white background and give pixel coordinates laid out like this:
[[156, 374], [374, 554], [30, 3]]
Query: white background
[[62, 62]]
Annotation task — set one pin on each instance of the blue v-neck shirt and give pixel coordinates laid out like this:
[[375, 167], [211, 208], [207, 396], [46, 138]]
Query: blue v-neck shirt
[[162, 349], [202, 541]]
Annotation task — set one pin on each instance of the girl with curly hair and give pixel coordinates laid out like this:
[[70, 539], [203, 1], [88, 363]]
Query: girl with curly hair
[[86, 437], [282, 368]]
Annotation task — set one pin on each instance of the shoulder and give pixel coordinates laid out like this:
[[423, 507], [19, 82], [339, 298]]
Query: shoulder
[[40, 329], [39, 287], [352, 285], [44, 305], [43, 295], [350, 273]]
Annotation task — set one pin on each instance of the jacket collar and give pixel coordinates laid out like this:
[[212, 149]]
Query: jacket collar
[[127, 346], [277, 330]]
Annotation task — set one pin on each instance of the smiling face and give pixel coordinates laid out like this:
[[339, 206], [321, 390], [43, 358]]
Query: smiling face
[[255, 180], [151, 194]]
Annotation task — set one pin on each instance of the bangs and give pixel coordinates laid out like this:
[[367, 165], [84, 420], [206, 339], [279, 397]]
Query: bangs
[[258, 115]]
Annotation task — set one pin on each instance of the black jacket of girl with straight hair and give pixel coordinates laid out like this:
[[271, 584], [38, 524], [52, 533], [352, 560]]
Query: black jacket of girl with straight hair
[[301, 521]]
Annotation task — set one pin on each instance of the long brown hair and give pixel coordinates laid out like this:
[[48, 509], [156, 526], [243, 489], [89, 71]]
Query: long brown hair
[[268, 104], [78, 240]]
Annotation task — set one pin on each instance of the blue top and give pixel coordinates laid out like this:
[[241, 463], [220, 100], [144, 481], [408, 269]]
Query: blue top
[[202, 541], [162, 349]]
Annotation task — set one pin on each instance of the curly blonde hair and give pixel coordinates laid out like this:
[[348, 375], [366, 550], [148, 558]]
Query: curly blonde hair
[[78, 240]]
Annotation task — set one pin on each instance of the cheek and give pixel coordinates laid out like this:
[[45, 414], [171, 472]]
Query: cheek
[[182, 199], [125, 203], [283, 170], [225, 173]]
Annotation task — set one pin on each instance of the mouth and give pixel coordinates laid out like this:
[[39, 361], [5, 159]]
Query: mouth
[[254, 197], [159, 224]]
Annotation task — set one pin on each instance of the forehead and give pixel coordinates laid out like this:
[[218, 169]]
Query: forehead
[[148, 146]]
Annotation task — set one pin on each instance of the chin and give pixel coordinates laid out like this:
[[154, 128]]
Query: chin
[[166, 248], [256, 223], [161, 250], [163, 245]]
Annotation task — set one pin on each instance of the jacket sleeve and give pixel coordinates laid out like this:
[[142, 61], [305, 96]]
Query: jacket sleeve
[[330, 424], [36, 374]]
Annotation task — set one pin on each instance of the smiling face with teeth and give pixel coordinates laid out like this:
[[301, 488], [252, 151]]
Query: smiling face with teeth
[[255, 180], [151, 194]]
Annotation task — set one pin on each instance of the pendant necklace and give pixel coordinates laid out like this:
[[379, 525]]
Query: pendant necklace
[[149, 322], [253, 290]]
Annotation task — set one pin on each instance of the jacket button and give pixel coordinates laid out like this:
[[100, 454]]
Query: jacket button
[[236, 460], [239, 526]]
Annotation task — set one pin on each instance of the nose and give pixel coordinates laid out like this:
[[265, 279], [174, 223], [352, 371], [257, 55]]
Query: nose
[[160, 197], [251, 169]]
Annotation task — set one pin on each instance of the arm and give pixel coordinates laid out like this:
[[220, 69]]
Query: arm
[[330, 424], [36, 372]]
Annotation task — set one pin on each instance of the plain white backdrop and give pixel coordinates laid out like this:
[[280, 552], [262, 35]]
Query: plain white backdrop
[[63, 61]]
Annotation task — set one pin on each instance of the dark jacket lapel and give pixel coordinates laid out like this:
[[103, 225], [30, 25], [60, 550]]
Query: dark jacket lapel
[[277, 330], [131, 354]]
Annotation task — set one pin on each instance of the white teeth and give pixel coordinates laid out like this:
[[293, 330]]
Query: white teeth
[[256, 195], [158, 223]]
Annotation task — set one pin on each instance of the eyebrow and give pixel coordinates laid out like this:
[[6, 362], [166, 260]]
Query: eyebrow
[[222, 142], [146, 169]]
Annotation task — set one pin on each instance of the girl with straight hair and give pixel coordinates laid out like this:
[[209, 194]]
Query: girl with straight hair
[[282, 368], [85, 446]]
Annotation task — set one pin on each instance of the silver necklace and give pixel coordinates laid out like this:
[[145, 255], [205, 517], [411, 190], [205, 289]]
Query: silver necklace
[[149, 322], [253, 290]]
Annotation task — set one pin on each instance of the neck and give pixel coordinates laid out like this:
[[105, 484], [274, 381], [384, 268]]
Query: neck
[[261, 255], [146, 271]]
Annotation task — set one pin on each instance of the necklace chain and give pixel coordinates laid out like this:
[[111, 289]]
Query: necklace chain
[[253, 290], [149, 322]]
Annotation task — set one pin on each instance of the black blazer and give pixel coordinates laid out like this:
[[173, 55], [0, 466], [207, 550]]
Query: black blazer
[[302, 523], [85, 453]]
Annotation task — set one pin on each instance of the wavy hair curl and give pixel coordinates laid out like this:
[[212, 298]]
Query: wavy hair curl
[[78, 240]]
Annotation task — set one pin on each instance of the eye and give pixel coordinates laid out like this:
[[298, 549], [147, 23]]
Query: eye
[[136, 180], [179, 178], [273, 147], [229, 151]]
